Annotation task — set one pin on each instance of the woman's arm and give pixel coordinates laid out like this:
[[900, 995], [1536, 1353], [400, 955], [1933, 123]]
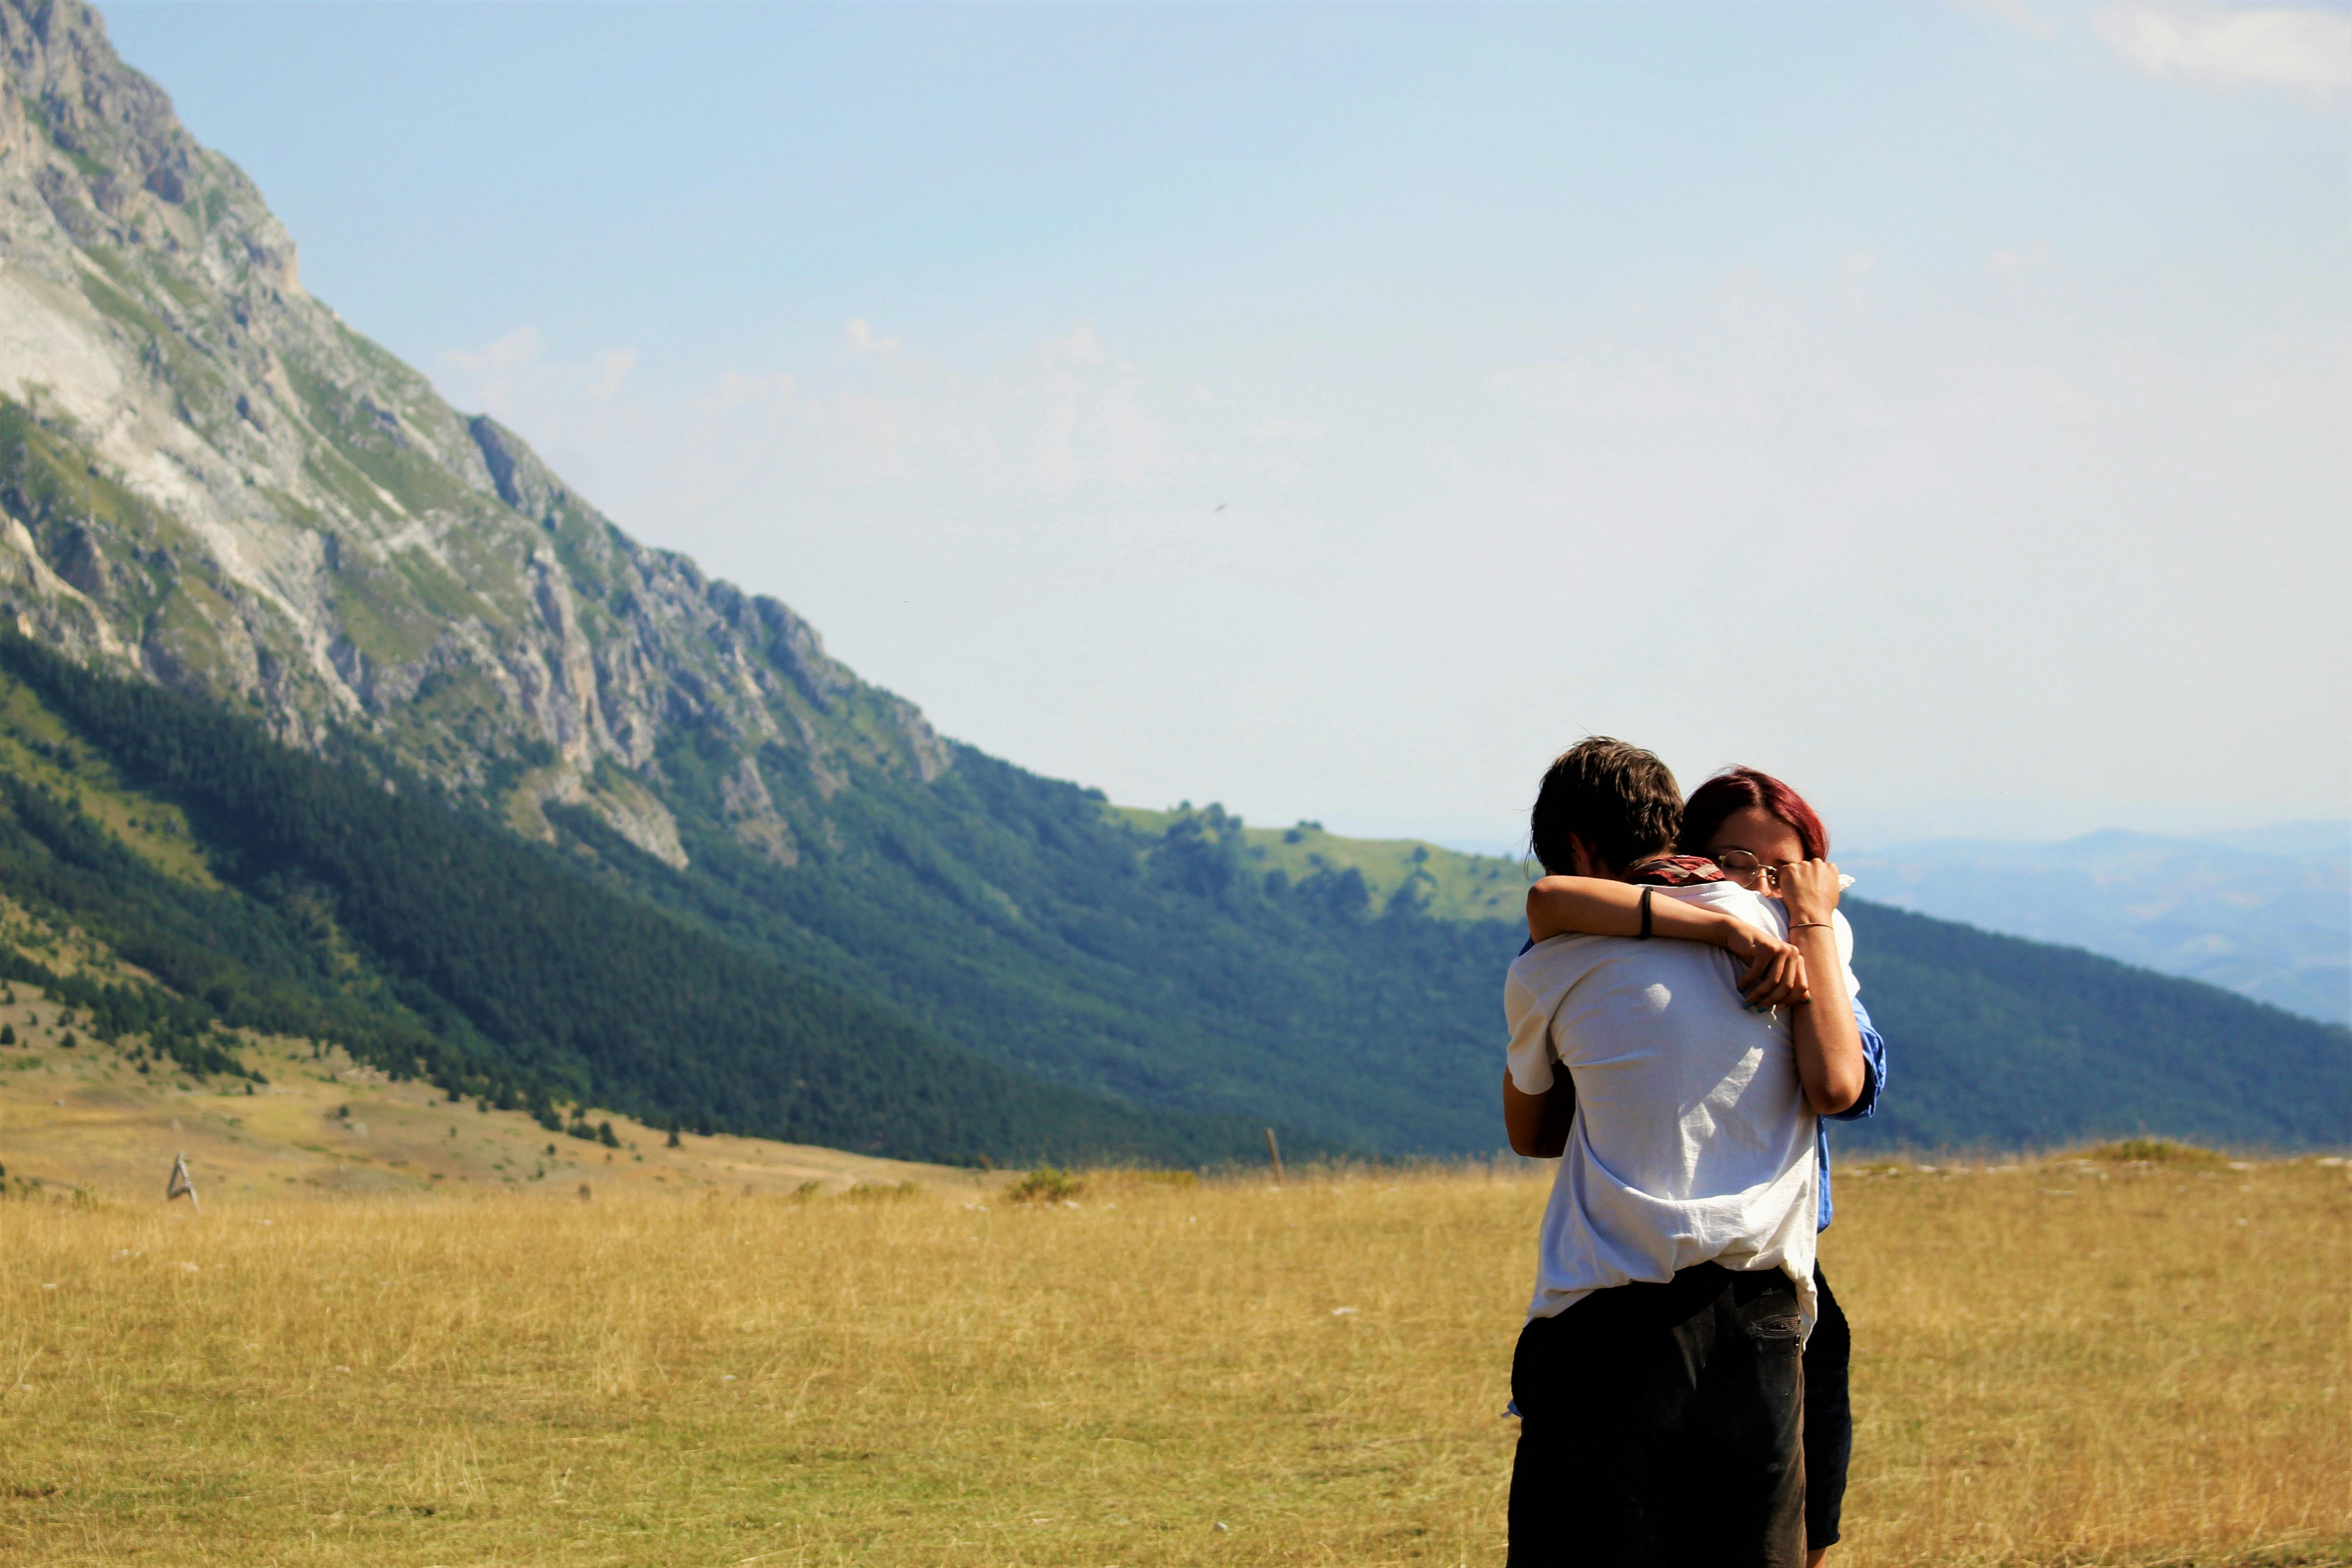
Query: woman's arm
[[1773, 973], [1828, 1040]]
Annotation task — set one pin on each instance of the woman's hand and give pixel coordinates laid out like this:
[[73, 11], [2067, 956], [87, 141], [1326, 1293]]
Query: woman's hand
[[1773, 972], [1810, 889]]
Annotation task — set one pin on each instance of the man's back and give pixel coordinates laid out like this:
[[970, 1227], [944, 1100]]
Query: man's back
[[1693, 1142]]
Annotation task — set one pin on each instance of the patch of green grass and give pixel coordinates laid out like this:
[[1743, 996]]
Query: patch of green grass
[[34, 746], [1450, 884], [399, 469], [91, 169], [116, 305], [336, 474]]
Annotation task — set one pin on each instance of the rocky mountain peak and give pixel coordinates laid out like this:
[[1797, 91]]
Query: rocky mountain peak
[[208, 478]]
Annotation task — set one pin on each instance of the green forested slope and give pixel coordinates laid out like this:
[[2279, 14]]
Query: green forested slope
[[489, 964], [1005, 912], [1997, 1040], [1158, 958]]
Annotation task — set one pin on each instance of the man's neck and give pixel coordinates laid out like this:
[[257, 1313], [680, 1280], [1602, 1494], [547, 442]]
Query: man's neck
[[1607, 873]]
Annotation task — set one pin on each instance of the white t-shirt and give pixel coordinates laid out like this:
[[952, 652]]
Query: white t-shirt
[[1693, 1142]]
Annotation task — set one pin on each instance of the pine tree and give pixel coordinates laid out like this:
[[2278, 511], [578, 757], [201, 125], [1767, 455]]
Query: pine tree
[[673, 1133]]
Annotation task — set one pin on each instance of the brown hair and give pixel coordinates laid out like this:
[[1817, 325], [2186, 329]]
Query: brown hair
[[1618, 798]]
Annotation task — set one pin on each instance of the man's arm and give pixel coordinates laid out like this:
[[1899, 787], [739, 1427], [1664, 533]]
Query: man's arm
[[1772, 975], [1537, 1124], [1534, 1122]]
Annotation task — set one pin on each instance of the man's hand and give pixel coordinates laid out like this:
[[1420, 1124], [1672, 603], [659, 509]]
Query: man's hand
[[1772, 970]]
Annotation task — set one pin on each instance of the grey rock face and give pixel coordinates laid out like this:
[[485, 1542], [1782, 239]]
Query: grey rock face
[[209, 479]]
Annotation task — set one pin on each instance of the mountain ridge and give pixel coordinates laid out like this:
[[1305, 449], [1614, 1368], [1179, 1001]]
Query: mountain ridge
[[2226, 909], [212, 479], [214, 486]]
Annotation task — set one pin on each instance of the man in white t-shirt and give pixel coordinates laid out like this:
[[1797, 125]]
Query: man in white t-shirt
[[1658, 1378]]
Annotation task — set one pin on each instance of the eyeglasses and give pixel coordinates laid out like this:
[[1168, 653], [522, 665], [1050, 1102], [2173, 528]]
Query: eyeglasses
[[1746, 869]]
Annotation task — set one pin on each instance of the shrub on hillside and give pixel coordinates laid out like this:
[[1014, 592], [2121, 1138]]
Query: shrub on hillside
[[2155, 1152], [1045, 1184], [1134, 1179], [879, 1191]]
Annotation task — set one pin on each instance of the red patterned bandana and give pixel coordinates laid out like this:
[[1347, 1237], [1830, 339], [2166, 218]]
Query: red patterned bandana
[[1675, 871]]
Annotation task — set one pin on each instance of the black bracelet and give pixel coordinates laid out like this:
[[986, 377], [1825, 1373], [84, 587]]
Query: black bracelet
[[1646, 914]]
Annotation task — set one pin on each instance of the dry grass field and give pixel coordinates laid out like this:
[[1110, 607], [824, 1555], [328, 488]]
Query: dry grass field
[[2064, 1362]]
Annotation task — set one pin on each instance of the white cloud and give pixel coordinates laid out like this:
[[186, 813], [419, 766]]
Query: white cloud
[[2026, 259], [1288, 431], [495, 371], [2018, 14], [572, 410], [1065, 414], [736, 390], [1862, 262], [612, 368], [2275, 46], [1079, 346], [515, 370]]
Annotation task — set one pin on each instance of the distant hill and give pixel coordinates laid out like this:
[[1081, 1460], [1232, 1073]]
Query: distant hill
[[1446, 883], [1998, 1041], [2267, 915]]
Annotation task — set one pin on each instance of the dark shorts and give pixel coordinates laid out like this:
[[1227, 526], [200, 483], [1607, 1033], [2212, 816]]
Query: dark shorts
[[1829, 1419], [1661, 1427]]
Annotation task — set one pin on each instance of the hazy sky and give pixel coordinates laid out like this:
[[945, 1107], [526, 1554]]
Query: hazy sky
[[1333, 411]]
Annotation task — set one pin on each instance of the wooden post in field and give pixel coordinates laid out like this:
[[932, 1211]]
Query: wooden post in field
[[1275, 1149], [182, 1182]]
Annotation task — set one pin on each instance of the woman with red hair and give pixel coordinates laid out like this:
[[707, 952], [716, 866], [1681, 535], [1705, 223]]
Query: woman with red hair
[[1757, 830], [1747, 827]]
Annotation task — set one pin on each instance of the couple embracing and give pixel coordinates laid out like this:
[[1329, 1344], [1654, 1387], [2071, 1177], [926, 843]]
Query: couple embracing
[[1681, 1379]]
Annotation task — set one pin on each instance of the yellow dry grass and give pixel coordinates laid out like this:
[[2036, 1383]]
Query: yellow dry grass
[[2062, 1363]]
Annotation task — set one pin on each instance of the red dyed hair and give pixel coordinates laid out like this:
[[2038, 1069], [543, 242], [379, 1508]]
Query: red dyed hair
[[1737, 789]]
